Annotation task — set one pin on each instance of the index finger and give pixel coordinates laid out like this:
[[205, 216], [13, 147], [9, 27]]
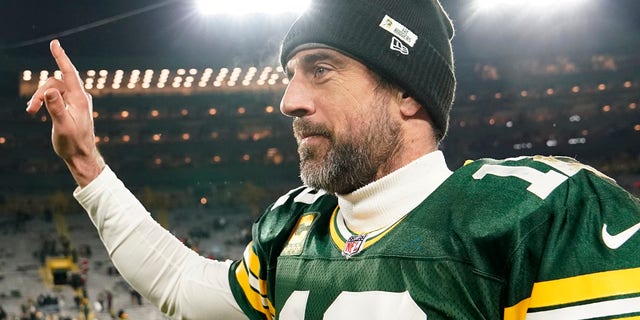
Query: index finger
[[70, 75]]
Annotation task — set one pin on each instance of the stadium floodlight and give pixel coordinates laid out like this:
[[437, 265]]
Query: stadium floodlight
[[490, 5], [240, 7]]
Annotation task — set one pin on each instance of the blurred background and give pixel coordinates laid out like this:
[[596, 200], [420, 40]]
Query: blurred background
[[186, 109]]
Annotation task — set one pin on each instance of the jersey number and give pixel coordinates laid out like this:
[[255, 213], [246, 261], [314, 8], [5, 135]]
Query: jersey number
[[370, 305], [541, 183]]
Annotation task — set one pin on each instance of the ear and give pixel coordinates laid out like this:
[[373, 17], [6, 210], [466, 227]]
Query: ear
[[409, 107]]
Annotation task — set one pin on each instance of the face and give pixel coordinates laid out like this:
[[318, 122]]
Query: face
[[343, 120]]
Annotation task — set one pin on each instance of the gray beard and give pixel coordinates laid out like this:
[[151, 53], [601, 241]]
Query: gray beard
[[345, 169], [352, 161]]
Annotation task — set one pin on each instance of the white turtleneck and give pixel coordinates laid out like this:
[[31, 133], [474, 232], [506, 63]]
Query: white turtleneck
[[188, 286], [387, 200]]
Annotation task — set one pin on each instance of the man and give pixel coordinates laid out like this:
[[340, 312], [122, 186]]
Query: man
[[382, 229]]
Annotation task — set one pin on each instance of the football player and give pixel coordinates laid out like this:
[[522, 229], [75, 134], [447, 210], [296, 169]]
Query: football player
[[381, 228]]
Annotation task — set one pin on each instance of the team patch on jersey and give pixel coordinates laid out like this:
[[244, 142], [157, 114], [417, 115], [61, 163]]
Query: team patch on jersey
[[351, 243], [354, 244], [296, 241]]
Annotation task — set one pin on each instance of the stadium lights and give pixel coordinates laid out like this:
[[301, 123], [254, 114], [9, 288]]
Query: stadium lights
[[101, 82], [526, 4], [241, 7]]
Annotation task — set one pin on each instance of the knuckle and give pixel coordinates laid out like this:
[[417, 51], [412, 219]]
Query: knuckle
[[51, 82]]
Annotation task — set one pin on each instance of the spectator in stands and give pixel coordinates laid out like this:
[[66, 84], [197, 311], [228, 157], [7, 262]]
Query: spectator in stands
[[122, 314], [109, 297], [136, 298], [101, 297], [382, 228], [85, 308]]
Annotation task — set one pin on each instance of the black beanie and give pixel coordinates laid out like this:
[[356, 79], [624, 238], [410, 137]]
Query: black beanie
[[407, 42]]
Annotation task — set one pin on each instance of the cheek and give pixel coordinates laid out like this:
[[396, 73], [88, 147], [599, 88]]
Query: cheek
[[349, 128], [346, 107]]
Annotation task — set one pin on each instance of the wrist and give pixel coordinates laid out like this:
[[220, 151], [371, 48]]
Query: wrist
[[85, 169]]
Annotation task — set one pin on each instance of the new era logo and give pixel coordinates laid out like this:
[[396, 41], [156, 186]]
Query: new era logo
[[397, 45]]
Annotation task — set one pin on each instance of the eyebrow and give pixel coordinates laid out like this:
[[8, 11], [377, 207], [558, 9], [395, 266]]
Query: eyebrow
[[319, 56], [312, 58]]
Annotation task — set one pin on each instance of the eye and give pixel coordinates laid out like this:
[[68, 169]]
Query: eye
[[319, 71]]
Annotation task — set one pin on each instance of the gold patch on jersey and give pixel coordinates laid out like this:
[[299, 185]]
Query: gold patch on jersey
[[298, 237]]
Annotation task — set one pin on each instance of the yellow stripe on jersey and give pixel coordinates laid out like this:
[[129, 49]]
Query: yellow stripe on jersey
[[254, 288], [375, 239], [628, 318], [372, 238], [251, 259], [577, 289], [335, 236], [518, 311]]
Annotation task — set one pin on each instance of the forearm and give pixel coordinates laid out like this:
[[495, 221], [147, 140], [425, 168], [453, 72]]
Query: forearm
[[179, 281]]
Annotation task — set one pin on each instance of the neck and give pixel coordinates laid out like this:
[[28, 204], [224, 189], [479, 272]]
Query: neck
[[402, 156]]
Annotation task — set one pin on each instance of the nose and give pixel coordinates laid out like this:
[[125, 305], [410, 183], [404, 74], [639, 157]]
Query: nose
[[297, 100]]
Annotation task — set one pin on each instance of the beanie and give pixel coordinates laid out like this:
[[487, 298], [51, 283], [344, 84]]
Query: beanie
[[407, 42]]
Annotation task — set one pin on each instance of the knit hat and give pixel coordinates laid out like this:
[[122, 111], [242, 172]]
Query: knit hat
[[407, 42]]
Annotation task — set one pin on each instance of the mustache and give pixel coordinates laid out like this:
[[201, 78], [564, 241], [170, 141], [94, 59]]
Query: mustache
[[303, 128]]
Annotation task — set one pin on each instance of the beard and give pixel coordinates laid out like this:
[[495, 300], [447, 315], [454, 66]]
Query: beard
[[352, 160]]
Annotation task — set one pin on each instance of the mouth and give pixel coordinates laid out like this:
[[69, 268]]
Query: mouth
[[311, 140], [305, 131], [311, 135]]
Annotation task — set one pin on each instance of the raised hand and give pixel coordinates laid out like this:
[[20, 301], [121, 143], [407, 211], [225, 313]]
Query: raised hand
[[71, 111]]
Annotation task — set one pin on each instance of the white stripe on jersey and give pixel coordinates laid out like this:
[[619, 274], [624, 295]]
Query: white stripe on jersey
[[588, 311]]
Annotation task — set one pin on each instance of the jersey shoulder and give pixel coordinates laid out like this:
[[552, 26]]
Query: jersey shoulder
[[543, 177], [537, 204], [252, 279], [272, 230], [501, 194]]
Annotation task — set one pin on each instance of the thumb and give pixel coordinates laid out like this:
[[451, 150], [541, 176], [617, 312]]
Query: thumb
[[55, 105]]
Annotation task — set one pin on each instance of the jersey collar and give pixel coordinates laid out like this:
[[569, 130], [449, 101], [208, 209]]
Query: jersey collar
[[385, 201]]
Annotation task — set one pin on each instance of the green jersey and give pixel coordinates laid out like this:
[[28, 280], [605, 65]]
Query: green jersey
[[530, 237]]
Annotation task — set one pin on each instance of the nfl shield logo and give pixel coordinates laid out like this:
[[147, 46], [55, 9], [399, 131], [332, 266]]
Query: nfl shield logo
[[354, 245]]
